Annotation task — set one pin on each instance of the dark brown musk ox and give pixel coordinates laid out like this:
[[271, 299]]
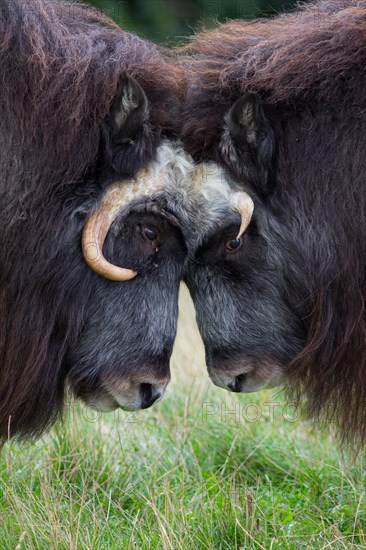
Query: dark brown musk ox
[[280, 106], [98, 208]]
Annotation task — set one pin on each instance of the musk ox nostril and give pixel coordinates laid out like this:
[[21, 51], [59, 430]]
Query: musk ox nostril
[[236, 384], [149, 394]]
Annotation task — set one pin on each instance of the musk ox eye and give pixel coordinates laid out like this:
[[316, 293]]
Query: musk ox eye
[[149, 233], [232, 245]]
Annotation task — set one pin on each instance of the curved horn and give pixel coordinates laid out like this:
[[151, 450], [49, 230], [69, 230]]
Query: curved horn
[[242, 202], [211, 181], [99, 223]]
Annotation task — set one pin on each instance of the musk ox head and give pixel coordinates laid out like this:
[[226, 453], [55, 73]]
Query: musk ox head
[[134, 243], [239, 275], [90, 275]]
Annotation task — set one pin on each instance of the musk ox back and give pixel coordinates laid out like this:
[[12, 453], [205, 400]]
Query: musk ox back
[[86, 148], [280, 105]]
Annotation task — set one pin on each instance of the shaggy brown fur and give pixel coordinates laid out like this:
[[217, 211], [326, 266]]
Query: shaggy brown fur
[[314, 53], [60, 67], [308, 67]]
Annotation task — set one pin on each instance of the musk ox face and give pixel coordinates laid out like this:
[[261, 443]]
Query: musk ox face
[[121, 358], [134, 242], [249, 318]]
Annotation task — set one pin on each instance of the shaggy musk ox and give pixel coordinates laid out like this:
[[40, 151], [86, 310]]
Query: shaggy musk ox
[[86, 160], [280, 106]]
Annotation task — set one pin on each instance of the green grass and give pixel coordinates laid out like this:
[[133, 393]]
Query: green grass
[[190, 473]]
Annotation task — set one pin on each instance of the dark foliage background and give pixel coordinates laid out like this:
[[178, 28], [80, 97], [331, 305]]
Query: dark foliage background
[[171, 20]]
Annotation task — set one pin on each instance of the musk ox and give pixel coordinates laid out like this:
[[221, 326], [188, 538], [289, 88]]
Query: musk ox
[[85, 149], [280, 106]]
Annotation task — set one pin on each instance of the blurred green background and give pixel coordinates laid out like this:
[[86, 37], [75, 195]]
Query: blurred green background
[[170, 21]]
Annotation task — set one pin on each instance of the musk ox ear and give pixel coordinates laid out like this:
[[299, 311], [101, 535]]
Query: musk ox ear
[[246, 121], [130, 110], [128, 139], [248, 142]]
